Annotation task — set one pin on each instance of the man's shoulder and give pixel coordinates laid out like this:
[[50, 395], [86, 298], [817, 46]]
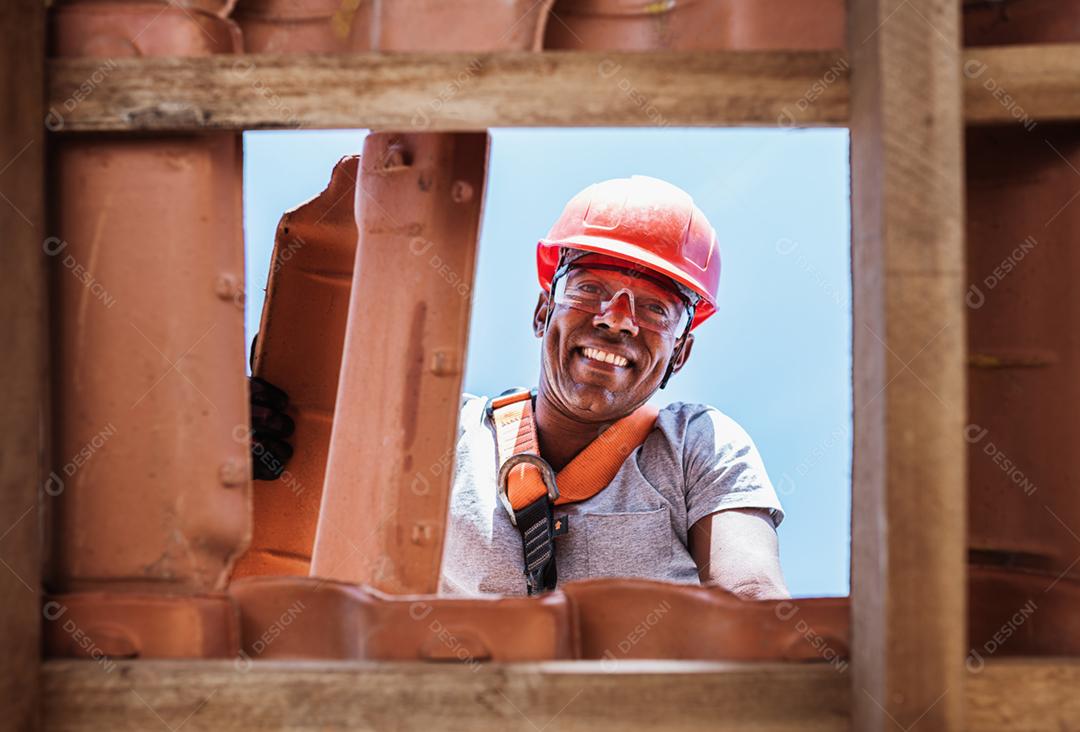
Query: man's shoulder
[[466, 398], [473, 408], [687, 412], [693, 419]]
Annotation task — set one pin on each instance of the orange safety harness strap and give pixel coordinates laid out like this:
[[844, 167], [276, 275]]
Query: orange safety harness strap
[[587, 474], [529, 488]]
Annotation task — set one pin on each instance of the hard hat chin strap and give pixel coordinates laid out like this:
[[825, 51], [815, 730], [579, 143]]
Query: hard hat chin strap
[[692, 305], [671, 364]]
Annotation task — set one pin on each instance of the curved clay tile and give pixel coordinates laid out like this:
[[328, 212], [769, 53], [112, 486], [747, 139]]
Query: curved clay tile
[[150, 486], [299, 349], [686, 25], [418, 206], [307, 26]]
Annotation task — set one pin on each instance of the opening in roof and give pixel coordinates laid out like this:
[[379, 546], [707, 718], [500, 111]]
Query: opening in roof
[[773, 364]]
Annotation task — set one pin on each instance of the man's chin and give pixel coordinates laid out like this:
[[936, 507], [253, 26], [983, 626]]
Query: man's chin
[[595, 402]]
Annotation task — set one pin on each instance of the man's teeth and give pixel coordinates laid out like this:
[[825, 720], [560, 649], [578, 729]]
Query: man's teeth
[[597, 355]]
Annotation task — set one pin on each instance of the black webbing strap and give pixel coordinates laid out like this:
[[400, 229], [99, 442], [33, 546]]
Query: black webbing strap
[[535, 522], [539, 527]]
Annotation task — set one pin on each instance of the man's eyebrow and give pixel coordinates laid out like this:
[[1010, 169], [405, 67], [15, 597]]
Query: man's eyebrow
[[637, 272]]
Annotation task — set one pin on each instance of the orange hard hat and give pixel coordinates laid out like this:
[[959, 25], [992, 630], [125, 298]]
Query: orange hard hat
[[642, 220]]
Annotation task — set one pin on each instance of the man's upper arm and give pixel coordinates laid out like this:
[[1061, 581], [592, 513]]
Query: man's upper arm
[[723, 469], [737, 549]]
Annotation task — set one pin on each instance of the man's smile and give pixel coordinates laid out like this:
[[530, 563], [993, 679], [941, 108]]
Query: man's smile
[[604, 356]]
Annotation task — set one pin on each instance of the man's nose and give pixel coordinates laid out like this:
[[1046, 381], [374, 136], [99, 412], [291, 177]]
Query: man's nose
[[618, 314]]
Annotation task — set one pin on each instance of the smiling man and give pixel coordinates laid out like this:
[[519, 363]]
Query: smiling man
[[580, 477]]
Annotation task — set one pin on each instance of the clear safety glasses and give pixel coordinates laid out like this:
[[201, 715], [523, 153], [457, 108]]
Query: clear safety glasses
[[589, 289]]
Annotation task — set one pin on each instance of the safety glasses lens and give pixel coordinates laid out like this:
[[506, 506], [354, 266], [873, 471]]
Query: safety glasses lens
[[589, 292]]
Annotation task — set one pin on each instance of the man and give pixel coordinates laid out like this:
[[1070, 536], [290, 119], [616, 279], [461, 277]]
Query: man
[[628, 270]]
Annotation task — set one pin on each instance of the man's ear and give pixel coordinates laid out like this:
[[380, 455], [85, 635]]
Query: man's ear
[[680, 358], [540, 315]]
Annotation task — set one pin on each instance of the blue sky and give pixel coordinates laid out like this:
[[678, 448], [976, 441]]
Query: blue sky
[[776, 357]]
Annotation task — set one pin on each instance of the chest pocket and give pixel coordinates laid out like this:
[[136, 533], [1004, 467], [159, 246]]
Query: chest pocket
[[636, 544]]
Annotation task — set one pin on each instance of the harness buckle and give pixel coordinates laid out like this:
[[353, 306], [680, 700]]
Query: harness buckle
[[547, 473]]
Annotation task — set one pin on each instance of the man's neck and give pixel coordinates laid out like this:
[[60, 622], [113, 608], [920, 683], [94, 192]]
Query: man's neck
[[561, 436]]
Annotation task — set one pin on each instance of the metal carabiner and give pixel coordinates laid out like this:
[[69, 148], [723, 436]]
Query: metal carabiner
[[547, 473]]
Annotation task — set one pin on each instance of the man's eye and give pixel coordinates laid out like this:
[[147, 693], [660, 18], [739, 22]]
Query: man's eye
[[657, 308], [588, 289]]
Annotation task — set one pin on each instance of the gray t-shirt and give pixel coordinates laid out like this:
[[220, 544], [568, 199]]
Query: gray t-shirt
[[696, 461]]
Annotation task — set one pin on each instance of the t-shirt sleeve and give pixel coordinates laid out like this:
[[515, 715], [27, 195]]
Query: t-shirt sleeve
[[724, 469], [470, 404]]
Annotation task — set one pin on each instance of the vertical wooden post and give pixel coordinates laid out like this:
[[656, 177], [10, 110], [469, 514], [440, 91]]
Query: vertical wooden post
[[908, 517], [22, 358], [419, 199]]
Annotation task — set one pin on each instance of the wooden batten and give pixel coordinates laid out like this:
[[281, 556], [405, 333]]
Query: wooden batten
[[460, 91], [1002, 696], [457, 91], [22, 359], [1007, 84], [908, 509]]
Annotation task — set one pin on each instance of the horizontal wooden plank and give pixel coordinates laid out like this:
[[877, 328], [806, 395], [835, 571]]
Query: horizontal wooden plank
[[1010, 694], [582, 695], [1024, 694], [1022, 83], [448, 91], [460, 91]]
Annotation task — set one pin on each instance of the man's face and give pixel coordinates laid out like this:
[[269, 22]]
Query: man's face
[[600, 366]]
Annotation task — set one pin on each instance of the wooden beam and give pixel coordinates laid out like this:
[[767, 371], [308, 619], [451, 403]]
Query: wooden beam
[[908, 509], [1022, 83], [460, 92], [22, 359], [1029, 694], [451, 91], [580, 695]]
